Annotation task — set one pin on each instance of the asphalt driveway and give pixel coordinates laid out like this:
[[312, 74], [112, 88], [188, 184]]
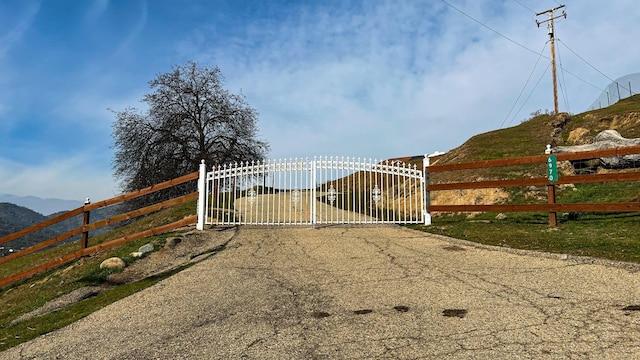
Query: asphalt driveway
[[343, 292]]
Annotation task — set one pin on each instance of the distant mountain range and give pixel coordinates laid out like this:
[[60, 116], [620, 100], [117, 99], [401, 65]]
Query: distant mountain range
[[16, 217], [39, 205]]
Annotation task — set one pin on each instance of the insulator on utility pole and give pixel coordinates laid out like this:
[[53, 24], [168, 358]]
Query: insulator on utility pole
[[551, 31]]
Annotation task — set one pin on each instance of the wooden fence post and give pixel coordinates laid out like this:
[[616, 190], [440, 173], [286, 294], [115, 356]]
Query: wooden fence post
[[84, 243], [551, 195]]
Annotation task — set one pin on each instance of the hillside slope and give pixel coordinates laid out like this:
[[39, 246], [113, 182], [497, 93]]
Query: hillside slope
[[531, 137]]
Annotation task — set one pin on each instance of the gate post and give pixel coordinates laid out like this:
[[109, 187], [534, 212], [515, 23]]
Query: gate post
[[425, 206], [202, 193]]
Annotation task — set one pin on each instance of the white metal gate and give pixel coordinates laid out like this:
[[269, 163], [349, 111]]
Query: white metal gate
[[324, 190]]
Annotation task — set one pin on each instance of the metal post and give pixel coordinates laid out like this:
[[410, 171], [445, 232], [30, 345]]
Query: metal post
[[202, 193], [84, 242], [427, 200]]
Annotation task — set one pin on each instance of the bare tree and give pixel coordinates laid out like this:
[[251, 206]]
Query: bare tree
[[190, 118]]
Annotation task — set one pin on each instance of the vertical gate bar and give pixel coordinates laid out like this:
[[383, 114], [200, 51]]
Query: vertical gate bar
[[369, 218], [221, 193], [327, 176], [247, 185], [260, 191], [215, 195], [350, 184], [234, 184], [313, 191], [217, 187], [339, 188], [255, 188], [306, 183], [299, 184], [412, 191], [323, 178], [404, 192], [222, 189], [219, 201], [255, 185], [389, 192], [213, 192], [339, 175], [280, 194], [276, 184], [236, 187], [357, 183], [409, 179], [397, 192], [243, 183], [227, 194], [353, 188], [231, 192], [393, 197], [241, 179], [360, 188], [386, 193], [290, 187], [268, 193]]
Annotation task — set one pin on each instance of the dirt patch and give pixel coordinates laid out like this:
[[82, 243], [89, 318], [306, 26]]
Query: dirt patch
[[61, 302], [459, 313], [453, 248]]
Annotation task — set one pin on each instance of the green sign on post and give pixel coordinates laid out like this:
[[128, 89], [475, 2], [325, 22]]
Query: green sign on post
[[552, 168]]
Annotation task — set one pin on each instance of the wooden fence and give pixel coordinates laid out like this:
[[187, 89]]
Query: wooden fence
[[552, 207], [86, 227]]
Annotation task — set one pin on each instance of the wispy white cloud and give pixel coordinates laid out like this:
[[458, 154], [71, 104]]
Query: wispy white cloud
[[72, 178], [394, 78]]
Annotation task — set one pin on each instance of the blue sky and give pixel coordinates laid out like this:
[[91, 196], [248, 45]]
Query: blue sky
[[369, 78]]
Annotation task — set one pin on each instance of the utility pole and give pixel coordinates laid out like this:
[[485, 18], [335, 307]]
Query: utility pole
[[553, 49]]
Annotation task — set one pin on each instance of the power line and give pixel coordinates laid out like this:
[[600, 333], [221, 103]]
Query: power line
[[525, 47], [524, 6], [586, 62], [524, 87], [563, 85], [488, 27], [531, 93]]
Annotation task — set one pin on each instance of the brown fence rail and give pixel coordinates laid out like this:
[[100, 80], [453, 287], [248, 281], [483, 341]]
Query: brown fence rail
[[551, 206], [86, 227]]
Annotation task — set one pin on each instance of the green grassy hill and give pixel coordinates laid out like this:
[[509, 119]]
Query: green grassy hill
[[532, 136]]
